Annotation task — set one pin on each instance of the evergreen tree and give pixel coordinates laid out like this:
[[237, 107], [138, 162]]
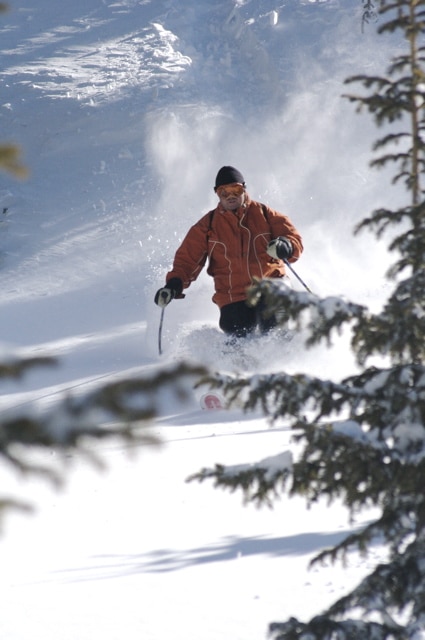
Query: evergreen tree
[[363, 438]]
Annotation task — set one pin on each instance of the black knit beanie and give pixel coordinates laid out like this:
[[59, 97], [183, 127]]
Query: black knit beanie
[[227, 175]]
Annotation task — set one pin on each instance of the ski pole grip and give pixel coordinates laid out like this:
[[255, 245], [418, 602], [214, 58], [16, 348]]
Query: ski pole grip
[[165, 297]]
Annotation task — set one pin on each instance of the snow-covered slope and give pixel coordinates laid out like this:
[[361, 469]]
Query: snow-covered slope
[[125, 110]]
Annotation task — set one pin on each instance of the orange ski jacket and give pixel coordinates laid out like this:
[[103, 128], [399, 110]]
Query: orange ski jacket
[[235, 244]]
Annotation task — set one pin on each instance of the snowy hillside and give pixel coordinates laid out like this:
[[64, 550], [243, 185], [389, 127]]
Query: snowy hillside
[[125, 111]]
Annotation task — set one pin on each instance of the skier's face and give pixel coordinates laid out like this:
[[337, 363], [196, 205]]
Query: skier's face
[[231, 196]]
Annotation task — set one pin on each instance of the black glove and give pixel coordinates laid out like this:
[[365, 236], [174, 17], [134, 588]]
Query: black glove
[[173, 288], [280, 248]]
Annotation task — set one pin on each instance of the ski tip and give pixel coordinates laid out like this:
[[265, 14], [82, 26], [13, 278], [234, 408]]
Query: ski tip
[[212, 401]]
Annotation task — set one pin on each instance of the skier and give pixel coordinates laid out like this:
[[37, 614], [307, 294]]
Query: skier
[[242, 240]]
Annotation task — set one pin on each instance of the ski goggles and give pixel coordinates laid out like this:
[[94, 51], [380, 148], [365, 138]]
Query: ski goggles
[[227, 190]]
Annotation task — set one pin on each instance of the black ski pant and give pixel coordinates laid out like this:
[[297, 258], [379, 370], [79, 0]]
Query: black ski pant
[[239, 320]]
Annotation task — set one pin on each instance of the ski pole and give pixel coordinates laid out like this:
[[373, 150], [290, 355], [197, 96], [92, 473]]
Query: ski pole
[[161, 322], [297, 276]]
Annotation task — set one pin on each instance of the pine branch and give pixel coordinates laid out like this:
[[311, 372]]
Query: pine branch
[[119, 410], [323, 628], [320, 317]]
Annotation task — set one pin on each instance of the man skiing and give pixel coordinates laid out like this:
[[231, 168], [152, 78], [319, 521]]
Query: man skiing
[[243, 240]]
